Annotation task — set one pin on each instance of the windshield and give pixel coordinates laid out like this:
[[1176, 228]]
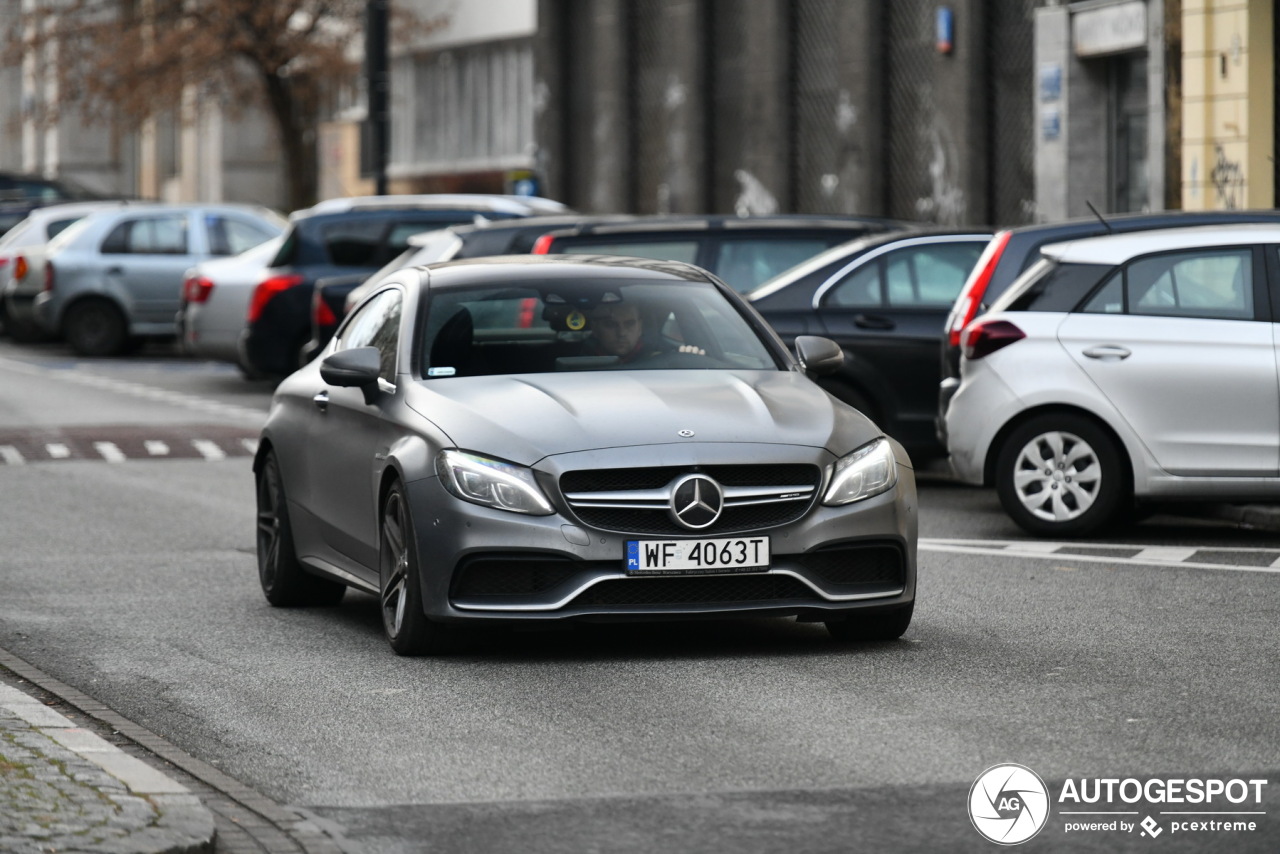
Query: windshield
[[588, 326]]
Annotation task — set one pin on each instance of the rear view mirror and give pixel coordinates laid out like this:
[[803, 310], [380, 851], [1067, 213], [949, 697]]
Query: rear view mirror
[[819, 356], [355, 368]]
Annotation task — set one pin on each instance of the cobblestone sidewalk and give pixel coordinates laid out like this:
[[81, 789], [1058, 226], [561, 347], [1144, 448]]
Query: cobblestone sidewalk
[[64, 789]]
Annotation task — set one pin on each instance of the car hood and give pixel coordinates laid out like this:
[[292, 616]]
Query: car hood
[[525, 417]]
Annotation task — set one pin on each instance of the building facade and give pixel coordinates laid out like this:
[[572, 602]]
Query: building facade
[[913, 109]]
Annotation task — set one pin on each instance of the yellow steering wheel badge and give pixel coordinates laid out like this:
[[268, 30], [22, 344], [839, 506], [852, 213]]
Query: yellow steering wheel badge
[[575, 321]]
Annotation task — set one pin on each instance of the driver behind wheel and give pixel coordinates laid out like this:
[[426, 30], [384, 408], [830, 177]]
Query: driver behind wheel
[[617, 329]]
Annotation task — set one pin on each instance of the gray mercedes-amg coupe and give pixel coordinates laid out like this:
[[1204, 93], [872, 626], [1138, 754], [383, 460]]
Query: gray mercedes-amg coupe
[[520, 439]]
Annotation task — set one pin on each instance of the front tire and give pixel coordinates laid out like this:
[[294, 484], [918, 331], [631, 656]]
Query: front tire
[[1061, 475], [404, 619], [284, 581]]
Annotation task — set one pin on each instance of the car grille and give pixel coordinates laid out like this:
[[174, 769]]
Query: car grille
[[700, 590], [841, 569], [510, 576], [756, 496]]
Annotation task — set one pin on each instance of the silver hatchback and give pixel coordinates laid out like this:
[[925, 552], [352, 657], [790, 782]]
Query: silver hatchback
[[1126, 369], [116, 276]]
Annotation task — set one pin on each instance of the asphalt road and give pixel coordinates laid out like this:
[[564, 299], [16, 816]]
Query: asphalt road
[[134, 581]]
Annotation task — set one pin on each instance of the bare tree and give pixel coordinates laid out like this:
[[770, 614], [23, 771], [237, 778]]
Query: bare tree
[[129, 60]]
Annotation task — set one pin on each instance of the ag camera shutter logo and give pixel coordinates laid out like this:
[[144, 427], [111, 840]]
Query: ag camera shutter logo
[[1008, 804]]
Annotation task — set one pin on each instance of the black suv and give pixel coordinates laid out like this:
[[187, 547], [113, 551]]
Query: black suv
[[346, 236], [1013, 250]]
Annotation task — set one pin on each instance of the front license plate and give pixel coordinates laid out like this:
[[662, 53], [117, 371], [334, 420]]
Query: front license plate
[[690, 557]]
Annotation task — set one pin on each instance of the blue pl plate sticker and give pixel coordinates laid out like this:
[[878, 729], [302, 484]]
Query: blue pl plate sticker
[[633, 554], [441, 372]]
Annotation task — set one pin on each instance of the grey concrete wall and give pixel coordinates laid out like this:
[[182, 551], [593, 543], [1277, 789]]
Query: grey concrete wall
[[936, 125], [670, 106], [751, 135], [839, 106], [599, 157]]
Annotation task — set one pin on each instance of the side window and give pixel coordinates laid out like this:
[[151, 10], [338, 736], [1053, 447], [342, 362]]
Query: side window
[[228, 236], [861, 288], [1109, 299], [929, 276], [377, 324], [665, 250], [161, 235], [1211, 284], [353, 244], [747, 261]]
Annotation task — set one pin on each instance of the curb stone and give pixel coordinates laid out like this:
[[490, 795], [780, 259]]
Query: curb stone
[[66, 789]]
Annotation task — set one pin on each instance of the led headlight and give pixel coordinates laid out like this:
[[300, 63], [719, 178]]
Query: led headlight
[[492, 483], [868, 471]]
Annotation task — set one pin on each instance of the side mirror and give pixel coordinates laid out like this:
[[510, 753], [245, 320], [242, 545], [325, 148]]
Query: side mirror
[[356, 368], [819, 356]]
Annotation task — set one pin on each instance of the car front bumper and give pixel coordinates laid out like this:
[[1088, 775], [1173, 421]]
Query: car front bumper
[[485, 565]]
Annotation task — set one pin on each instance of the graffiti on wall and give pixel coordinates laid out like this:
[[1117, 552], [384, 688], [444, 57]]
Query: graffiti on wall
[[1227, 177], [945, 203]]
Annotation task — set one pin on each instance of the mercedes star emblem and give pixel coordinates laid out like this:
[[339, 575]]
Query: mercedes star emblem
[[686, 434], [696, 501]]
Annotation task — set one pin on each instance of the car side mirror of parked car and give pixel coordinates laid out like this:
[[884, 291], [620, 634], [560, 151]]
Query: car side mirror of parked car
[[819, 356], [355, 368]]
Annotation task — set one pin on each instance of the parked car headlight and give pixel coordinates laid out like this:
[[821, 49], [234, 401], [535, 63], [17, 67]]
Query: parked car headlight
[[492, 483], [868, 471]]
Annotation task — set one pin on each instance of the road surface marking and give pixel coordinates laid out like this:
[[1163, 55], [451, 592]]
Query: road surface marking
[[156, 448], [250, 445], [1142, 555], [208, 450], [109, 452], [11, 455], [58, 451]]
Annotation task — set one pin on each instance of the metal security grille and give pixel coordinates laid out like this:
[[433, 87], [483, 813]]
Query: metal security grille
[[1011, 114], [822, 115], [467, 109]]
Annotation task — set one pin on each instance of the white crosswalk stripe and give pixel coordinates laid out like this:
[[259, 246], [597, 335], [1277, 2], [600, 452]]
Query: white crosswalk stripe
[[1230, 558], [156, 448], [208, 450], [250, 445], [109, 451], [58, 451], [11, 455]]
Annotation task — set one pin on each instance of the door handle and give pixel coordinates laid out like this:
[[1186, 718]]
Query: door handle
[[115, 271], [321, 400], [1108, 353], [872, 321]]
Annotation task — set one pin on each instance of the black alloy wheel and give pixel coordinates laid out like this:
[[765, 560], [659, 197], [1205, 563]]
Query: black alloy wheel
[[404, 621], [284, 581], [877, 626], [96, 328]]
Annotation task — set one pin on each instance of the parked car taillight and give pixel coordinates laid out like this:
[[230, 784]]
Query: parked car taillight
[[196, 289], [542, 245], [267, 289], [975, 287], [320, 311], [20, 268], [48, 276], [987, 336]]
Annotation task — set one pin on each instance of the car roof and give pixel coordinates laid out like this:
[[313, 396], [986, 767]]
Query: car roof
[[534, 223], [478, 202], [728, 222], [537, 268], [1118, 248]]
